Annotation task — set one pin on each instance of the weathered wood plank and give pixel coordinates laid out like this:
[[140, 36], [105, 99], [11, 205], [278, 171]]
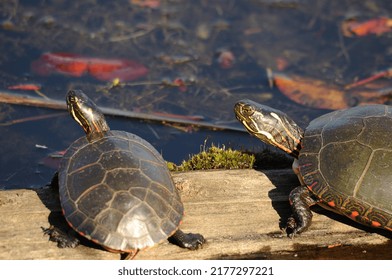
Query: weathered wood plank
[[238, 212]]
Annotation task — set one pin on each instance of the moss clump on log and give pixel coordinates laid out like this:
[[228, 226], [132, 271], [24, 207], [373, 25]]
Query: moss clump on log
[[215, 158]]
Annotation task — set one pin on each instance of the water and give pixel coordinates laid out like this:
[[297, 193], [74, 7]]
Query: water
[[220, 49]]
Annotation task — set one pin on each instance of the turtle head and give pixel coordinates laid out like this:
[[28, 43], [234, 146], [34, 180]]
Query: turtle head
[[87, 114], [270, 126]]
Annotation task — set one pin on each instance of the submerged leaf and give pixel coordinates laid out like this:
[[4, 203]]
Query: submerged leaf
[[310, 92], [318, 94], [100, 68], [375, 26]]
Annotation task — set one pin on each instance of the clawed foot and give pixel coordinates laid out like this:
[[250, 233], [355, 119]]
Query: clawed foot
[[291, 227], [64, 240], [297, 224], [191, 241]]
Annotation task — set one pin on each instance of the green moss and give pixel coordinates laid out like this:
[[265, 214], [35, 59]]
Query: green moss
[[215, 158]]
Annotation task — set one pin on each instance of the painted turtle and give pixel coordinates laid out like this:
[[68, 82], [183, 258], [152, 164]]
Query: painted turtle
[[115, 188], [343, 160]]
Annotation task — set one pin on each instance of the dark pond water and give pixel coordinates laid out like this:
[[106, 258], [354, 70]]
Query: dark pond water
[[221, 50]]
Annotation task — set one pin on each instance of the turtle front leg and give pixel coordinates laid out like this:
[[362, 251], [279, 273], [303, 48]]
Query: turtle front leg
[[300, 200], [192, 241], [63, 239]]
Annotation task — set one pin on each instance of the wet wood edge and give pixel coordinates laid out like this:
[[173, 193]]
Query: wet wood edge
[[239, 212]]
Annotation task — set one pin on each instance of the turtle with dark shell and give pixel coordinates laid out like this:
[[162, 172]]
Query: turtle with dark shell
[[115, 188], [343, 160]]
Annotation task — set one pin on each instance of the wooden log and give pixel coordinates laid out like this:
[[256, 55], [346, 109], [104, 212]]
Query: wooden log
[[237, 211]]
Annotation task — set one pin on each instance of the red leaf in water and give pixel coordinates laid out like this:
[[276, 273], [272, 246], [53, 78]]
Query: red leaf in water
[[226, 59], [62, 63], [310, 92], [25, 87], [373, 26], [100, 68], [99, 65], [319, 94], [180, 83], [109, 69], [146, 3]]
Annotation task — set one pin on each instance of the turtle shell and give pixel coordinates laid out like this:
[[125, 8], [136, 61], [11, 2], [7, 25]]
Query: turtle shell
[[346, 161], [118, 192]]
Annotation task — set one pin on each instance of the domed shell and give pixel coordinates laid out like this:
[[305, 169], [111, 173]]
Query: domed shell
[[346, 161], [118, 192]]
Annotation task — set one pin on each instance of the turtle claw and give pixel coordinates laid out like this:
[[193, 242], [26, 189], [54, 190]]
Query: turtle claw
[[63, 239], [295, 226], [195, 241], [291, 226], [191, 241]]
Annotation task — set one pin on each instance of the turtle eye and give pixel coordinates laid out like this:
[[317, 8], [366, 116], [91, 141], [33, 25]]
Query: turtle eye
[[71, 98], [248, 110]]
